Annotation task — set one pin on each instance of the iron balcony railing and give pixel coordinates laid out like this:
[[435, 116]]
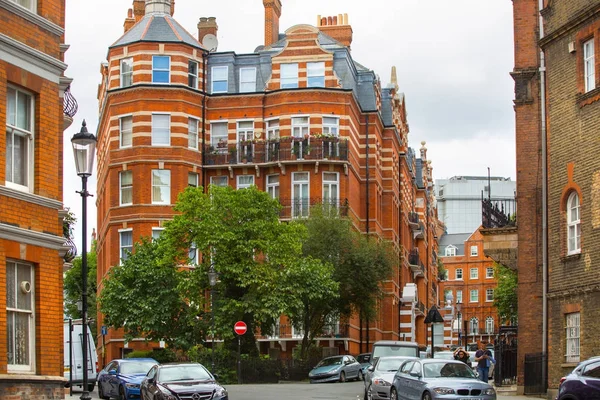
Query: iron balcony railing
[[413, 257], [413, 219], [70, 105], [498, 213], [277, 150], [300, 207]]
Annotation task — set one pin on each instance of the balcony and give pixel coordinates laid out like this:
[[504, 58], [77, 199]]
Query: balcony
[[415, 263], [499, 230], [70, 107], [420, 309], [498, 213], [413, 220], [285, 149], [300, 208]]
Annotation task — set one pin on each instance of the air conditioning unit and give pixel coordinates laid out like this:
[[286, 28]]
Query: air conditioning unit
[[572, 47]]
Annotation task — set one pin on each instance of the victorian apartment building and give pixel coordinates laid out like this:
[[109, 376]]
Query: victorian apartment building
[[299, 118], [32, 90]]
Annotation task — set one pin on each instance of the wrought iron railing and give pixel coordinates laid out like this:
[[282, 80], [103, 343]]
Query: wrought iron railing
[[70, 105], [413, 218], [413, 257], [72, 252], [283, 149], [498, 213], [300, 207]]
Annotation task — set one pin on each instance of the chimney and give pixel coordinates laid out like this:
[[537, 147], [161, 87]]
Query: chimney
[[172, 7], [129, 21], [139, 9], [336, 27], [272, 14], [158, 7], [207, 26]]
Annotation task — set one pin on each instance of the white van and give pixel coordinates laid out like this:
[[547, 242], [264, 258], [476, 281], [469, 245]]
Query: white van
[[73, 351]]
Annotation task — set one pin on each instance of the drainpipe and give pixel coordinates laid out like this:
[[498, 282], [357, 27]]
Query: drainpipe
[[204, 62], [544, 197], [367, 214]]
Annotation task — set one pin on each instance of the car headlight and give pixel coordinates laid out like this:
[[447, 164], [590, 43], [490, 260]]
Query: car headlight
[[221, 392], [132, 386], [489, 392], [166, 395], [443, 390], [381, 382]]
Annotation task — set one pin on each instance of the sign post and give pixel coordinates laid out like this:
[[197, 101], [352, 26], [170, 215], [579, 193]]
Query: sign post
[[240, 328], [433, 316]]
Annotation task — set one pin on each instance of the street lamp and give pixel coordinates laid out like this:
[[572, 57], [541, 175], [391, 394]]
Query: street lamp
[[84, 149], [458, 307], [212, 280]]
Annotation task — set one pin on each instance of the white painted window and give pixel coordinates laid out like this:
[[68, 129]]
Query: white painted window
[[474, 326], [193, 254], [125, 243], [220, 181], [245, 181], [489, 295], [474, 296], [20, 130], [218, 133], [331, 126], [20, 319], [273, 129], [459, 274], [31, 5], [300, 126], [459, 297], [245, 131], [331, 188], [289, 75], [156, 232], [474, 273], [193, 133], [192, 179], [161, 186], [161, 129], [193, 74], [300, 194], [474, 251], [273, 186], [126, 131], [315, 74], [450, 251], [161, 69], [573, 224], [573, 340], [126, 188], [489, 325], [489, 272], [219, 79], [247, 80], [127, 72], [589, 68]]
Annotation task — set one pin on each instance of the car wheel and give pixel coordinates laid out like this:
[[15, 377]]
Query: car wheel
[[393, 394], [91, 387], [101, 393], [360, 376], [342, 377], [426, 396], [122, 395]]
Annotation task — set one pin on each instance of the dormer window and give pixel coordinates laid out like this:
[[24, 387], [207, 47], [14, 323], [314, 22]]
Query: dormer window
[[450, 251], [161, 69], [247, 80], [289, 76], [219, 79], [315, 74]]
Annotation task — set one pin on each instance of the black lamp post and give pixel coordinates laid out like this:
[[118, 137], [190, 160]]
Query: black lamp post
[[458, 306], [84, 149], [212, 280]]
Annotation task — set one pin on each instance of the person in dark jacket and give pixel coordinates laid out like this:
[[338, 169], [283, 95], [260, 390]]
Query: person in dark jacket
[[461, 355]]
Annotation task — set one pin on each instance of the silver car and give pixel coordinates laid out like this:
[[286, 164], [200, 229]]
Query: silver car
[[438, 379], [379, 377]]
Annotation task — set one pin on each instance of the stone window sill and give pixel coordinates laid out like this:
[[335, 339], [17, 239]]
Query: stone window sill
[[589, 97], [570, 257]]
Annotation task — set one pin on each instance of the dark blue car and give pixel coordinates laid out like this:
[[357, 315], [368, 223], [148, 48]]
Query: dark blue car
[[583, 383], [122, 378]]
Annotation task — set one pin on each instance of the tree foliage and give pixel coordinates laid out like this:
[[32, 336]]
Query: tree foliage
[[505, 295], [72, 288]]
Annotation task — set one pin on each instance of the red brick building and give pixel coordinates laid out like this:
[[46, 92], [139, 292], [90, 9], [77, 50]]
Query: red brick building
[[32, 87], [299, 118]]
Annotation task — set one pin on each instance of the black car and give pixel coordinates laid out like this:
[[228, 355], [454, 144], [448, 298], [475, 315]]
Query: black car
[[181, 381], [583, 383]]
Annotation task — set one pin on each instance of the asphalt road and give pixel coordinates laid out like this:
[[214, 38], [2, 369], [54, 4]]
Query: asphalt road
[[295, 391]]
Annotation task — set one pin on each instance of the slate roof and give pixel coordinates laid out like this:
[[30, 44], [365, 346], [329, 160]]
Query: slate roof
[[455, 239], [157, 28]]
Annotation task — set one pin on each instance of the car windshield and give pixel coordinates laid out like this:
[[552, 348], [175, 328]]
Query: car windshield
[[447, 370], [183, 373], [390, 364], [390, 351], [136, 367], [330, 361]]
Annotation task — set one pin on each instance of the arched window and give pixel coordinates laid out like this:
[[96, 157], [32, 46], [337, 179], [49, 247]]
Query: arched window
[[474, 326], [573, 225], [489, 325]]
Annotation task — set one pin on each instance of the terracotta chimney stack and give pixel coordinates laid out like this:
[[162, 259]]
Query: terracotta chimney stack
[[129, 21], [139, 9], [272, 14], [337, 27], [207, 25]]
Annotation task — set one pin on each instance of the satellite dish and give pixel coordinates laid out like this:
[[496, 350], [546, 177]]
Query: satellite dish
[[210, 42]]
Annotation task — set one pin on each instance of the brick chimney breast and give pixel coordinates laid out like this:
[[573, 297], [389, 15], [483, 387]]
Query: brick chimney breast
[[207, 25], [139, 9], [129, 21], [337, 27], [272, 14]]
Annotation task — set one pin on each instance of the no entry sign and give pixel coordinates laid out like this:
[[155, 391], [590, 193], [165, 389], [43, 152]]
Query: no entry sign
[[240, 327]]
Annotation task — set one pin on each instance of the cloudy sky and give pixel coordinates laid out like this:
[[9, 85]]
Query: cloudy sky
[[453, 60]]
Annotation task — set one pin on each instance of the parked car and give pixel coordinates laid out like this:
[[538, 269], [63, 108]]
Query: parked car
[[474, 364], [582, 383], [444, 355], [388, 348], [122, 378], [364, 360], [336, 368], [73, 355], [438, 379], [379, 377], [181, 380]]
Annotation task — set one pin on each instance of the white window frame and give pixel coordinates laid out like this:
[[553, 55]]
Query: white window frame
[[28, 134], [300, 125], [216, 76], [193, 255], [156, 232], [473, 296], [192, 76], [216, 178], [272, 129], [315, 74], [273, 186], [158, 130], [573, 224], [247, 86], [333, 187], [244, 185], [167, 174], [123, 188], [300, 210], [459, 296], [126, 75], [193, 179], [458, 274], [122, 247], [489, 294], [474, 251], [124, 132], [331, 125], [489, 325], [288, 75], [573, 343], [158, 70], [214, 139], [474, 273], [589, 67], [31, 7], [193, 126], [13, 312], [450, 251], [489, 275], [474, 326]]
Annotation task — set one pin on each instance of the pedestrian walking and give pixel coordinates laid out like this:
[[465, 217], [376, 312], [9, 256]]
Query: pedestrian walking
[[484, 359]]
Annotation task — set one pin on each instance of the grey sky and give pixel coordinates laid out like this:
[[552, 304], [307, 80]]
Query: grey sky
[[453, 60]]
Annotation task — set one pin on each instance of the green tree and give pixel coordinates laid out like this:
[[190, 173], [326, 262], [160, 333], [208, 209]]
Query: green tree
[[505, 295], [72, 288]]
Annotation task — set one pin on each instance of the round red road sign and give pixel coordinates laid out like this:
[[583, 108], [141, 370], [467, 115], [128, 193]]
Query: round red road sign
[[240, 327]]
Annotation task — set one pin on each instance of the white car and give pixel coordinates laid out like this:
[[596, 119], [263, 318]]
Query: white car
[[380, 376]]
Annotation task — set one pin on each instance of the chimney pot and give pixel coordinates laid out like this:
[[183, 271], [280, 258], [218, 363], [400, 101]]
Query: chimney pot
[[207, 25], [324, 21], [335, 20], [329, 20]]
